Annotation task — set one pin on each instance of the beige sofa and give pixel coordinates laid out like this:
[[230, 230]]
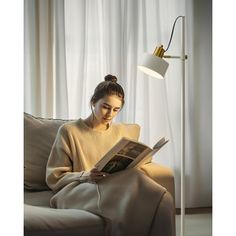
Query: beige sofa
[[40, 219]]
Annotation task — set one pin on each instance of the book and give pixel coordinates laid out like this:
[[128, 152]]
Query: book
[[128, 153]]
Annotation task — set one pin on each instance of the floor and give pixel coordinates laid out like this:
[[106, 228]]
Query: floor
[[196, 224]]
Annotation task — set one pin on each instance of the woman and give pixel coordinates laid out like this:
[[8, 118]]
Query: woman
[[127, 200]]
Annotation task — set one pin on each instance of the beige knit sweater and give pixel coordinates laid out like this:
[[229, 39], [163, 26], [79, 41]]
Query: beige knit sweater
[[78, 147]]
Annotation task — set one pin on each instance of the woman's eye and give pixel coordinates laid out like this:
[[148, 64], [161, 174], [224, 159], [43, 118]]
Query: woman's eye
[[108, 108], [116, 110]]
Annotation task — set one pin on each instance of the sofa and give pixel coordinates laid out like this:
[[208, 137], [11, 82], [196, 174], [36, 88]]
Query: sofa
[[39, 218]]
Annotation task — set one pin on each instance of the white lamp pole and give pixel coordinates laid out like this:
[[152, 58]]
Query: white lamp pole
[[155, 66], [183, 132]]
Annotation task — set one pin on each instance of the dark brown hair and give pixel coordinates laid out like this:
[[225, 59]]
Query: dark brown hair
[[106, 88]]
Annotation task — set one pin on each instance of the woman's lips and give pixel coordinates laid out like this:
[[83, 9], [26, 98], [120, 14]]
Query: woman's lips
[[106, 119]]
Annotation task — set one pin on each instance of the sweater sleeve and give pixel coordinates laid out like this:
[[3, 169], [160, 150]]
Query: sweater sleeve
[[59, 170]]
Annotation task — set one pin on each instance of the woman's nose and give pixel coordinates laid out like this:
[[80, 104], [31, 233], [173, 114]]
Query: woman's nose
[[109, 112]]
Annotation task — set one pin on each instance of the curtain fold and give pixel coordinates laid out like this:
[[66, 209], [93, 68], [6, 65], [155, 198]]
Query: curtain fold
[[38, 58], [60, 73], [45, 59], [71, 45]]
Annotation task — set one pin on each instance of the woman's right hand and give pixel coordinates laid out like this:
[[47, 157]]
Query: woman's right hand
[[93, 176]]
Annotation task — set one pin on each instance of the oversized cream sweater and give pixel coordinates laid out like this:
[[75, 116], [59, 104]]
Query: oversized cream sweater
[[78, 147], [128, 201]]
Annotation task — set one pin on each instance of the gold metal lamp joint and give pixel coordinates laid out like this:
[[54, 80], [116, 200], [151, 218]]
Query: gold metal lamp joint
[[159, 51]]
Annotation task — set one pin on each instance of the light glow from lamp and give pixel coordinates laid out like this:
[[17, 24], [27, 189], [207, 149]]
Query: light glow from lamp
[[154, 66]]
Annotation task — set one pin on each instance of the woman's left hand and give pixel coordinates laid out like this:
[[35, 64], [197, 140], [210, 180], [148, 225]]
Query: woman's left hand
[[93, 176]]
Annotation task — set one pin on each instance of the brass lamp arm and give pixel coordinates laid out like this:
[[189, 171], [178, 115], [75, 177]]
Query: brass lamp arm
[[174, 57]]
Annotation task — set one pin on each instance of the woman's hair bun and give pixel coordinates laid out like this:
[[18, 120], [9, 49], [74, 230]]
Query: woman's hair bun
[[110, 78]]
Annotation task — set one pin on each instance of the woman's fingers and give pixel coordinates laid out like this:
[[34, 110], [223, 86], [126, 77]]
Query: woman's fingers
[[94, 169], [94, 175], [104, 174], [96, 172]]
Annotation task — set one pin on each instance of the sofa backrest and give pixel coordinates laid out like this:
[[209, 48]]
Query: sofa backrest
[[39, 136]]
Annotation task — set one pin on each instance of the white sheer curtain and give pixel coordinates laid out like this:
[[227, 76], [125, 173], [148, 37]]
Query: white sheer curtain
[[45, 65], [71, 45]]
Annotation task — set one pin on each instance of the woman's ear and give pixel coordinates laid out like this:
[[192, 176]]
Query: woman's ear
[[92, 103]]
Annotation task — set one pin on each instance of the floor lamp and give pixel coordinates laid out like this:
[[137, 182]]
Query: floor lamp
[[155, 66]]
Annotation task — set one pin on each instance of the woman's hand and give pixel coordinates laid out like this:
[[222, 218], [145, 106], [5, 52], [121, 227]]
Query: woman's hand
[[93, 176]]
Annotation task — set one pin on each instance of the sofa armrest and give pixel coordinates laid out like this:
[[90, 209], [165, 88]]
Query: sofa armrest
[[160, 174]]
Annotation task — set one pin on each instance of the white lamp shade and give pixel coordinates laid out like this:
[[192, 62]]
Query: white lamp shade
[[153, 66]]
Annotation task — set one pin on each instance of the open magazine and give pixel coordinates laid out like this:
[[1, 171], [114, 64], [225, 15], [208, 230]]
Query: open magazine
[[128, 153]]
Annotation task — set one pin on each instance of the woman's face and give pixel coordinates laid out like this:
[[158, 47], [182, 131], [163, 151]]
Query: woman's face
[[107, 108]]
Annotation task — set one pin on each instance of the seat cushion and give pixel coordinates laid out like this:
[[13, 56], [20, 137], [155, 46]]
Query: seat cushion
[[39, 136], [55, 222], [41, 198]]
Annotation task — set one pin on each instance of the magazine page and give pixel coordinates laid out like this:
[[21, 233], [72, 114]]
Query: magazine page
[[156, 148], [160, 144], [125, 154], [128, 153], [135, 151]]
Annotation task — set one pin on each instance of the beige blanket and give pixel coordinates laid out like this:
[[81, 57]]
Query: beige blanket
[[128, 201]]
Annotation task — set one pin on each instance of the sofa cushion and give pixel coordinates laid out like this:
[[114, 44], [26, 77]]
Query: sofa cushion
[[38, 198], [39, 135], [42, 221]]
